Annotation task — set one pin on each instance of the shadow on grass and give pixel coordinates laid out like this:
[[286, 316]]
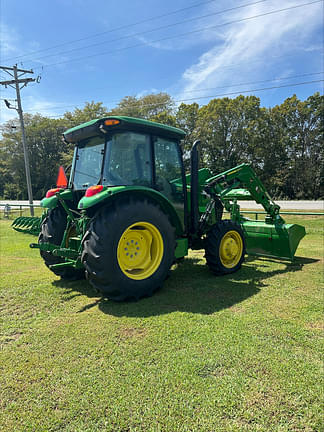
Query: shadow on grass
[[191, 288]]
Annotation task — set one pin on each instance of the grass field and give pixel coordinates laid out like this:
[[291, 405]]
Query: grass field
[[237, 353]]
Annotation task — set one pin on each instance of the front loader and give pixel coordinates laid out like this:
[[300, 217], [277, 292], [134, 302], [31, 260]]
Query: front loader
[[129, 211]]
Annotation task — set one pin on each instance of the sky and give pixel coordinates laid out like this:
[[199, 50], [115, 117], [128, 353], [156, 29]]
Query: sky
[[102, 51]]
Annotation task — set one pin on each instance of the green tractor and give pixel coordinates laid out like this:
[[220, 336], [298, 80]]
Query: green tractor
[[129, 211]]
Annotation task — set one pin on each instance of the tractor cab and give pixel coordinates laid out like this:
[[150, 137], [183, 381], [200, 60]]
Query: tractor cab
[[122, 152]]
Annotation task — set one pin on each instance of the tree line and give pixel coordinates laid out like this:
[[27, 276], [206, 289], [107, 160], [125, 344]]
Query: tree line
[[284, 144]]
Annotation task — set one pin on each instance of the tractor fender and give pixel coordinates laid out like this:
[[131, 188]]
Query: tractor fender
[[111, 193], [52, 201]]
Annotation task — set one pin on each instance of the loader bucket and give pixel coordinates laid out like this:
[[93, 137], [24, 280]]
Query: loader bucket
[[30, 225], [277, 241]]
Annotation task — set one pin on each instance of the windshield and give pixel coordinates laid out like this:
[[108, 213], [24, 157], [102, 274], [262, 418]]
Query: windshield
[[88, 163]]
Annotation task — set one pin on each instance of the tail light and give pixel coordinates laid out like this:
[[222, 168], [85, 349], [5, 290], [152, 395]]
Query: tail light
[[93, 190], [52, 192]]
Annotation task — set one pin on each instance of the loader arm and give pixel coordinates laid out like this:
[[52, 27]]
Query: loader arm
[[271, 237], [226, 186]]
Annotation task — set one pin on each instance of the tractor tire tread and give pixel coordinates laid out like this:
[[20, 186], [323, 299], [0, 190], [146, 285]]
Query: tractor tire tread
[[212, 243], [99, 256]]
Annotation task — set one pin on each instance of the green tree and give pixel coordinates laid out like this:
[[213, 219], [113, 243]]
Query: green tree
[[186, 117], [165, 118], [147, 107], [45, 148], [267, 151], [302, 123], [90, 111], [6, 174], [154, 104], [129, 106], [226, 128]]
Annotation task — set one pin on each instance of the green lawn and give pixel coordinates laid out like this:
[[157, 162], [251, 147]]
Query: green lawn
[[205, 353]]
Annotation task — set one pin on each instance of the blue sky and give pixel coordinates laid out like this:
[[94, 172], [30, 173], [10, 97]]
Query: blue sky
[[194, 50]]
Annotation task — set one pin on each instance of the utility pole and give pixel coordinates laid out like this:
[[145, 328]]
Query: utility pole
[[15, 83]]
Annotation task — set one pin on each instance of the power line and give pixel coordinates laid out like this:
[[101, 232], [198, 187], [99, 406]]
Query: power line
[[134, 24], [252, 90], [235, 65], [202, 90], [229, 94], [257, 82], [147, 31], [181, 34]]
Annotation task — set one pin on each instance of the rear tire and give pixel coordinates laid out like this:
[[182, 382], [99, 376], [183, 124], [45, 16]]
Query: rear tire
[[128, 249], [52, 231], [225, 247]]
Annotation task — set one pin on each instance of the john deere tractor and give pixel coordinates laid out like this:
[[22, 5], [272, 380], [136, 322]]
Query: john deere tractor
[[129, 211]]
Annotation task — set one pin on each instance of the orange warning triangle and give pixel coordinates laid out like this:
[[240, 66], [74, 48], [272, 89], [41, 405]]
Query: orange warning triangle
[[61, 178]]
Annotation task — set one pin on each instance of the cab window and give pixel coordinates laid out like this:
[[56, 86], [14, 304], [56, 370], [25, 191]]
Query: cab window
[[128, 160], [88, 163], [168, 172]]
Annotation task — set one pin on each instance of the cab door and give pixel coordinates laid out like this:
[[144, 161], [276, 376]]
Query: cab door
[[168, 176]]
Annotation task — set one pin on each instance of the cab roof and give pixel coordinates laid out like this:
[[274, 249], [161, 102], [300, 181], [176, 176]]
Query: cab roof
[[97, 126]]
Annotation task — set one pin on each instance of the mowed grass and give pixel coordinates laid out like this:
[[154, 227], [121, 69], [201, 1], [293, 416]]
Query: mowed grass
[[205, 353]]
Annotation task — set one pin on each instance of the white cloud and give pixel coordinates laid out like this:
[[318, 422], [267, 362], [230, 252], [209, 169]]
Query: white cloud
[[266, 38], [13, 46], [9, 42], [46, 108], [168, 44], [163, 45]]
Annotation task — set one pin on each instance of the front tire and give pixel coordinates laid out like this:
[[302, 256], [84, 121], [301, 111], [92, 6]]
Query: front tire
[[52, 231], [225, 247], [128, 249]]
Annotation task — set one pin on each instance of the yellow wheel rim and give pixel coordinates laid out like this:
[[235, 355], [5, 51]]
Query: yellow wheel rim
[[140, 250], [231, 249]]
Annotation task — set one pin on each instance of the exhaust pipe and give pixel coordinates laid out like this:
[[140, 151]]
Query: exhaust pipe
[[194, 165]]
